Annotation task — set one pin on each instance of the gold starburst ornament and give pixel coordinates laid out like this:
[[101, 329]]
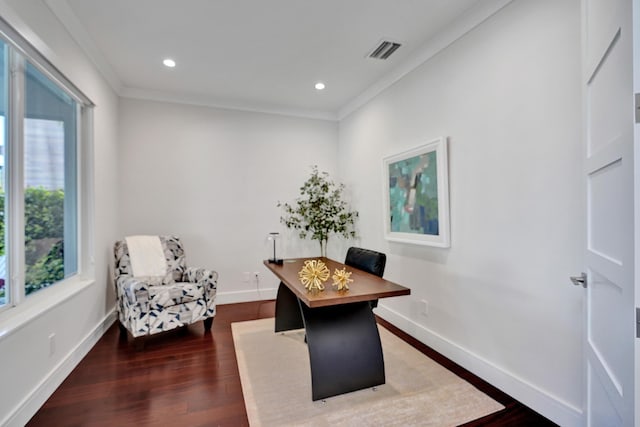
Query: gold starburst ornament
[[341, 279], [313, 274]]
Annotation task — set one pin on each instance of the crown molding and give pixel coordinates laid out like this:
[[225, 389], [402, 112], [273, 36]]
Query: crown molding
[[74, 27], [10, 16], [473, 17], [207, 101]]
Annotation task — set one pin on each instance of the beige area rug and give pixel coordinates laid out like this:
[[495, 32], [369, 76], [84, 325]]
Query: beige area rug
[[276, 384]]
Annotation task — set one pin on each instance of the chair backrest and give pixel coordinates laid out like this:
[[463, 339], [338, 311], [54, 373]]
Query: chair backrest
[[171, 249], [366, 260]]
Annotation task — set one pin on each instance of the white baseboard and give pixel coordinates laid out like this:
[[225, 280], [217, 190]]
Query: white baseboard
[[245, 296], [555, 409], [540, 401], [39, 395]]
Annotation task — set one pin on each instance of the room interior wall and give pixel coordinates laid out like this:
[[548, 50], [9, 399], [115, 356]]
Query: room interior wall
[[214, 177], [29, 371], [506, 96], [500, 303]]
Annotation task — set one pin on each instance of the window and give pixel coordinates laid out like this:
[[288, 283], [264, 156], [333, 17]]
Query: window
[[41, 118], [49, 137]]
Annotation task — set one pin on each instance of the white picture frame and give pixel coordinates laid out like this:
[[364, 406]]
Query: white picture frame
[[416, 209]]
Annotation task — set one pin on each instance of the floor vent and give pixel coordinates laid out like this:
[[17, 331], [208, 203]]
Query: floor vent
[[384, 50]]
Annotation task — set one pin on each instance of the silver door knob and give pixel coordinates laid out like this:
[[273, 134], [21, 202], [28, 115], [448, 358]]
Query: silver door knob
[[580, 280]]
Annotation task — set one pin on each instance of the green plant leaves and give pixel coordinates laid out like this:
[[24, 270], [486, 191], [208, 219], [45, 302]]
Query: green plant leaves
[[44, 223], [320, 210]]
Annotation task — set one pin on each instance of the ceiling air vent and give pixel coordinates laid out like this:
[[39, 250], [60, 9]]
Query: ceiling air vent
[[384, 50]]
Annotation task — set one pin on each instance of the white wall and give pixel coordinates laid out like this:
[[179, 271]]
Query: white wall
[[214, 177], [507, 96], [29, 373]]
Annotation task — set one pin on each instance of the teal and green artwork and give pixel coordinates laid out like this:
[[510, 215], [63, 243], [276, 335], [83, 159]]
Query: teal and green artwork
[[413, 195]]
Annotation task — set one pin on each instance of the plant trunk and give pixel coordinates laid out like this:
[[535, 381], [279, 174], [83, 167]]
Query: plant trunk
[[323, 247]]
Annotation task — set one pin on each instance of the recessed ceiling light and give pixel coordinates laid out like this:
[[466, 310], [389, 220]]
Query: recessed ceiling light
[[169, 63], [320, 86]]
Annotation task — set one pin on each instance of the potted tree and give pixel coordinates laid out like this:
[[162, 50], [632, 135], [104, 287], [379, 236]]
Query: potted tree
[[320, 211]]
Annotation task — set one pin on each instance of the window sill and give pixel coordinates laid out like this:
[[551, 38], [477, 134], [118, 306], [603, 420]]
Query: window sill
[[14, 318]]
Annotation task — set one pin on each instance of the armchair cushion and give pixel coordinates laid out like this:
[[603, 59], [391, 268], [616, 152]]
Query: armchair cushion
[[175, 293]]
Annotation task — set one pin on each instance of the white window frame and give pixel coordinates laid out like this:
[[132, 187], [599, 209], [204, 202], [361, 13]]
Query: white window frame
[[18, 308]]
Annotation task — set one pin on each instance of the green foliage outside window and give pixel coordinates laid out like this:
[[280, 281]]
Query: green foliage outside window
[[44, 228]]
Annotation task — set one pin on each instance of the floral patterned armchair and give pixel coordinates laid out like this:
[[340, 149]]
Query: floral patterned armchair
[[155, 289]]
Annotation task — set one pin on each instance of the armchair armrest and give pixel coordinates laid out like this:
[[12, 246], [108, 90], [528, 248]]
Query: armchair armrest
[[136, 291], [208, 279]]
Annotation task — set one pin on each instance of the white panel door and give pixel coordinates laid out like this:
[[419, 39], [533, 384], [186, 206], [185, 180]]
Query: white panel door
[[609, 168], [636, 86]]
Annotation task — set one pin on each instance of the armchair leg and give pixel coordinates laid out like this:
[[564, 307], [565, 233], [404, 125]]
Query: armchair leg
[[123, 329], [208, 322]]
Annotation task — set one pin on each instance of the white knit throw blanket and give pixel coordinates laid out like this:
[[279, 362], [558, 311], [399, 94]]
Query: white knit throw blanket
[[146, 255]]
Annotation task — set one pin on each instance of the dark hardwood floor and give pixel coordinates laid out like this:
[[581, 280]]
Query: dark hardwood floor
[[190, 378]]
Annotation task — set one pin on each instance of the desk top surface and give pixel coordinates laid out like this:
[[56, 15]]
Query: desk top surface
[[365, 286]]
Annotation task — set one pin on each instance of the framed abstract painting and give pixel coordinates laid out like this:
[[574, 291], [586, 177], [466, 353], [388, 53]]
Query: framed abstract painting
[[416, 195]]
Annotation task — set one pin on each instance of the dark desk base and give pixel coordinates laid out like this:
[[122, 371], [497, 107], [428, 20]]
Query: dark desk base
[[344, 344]]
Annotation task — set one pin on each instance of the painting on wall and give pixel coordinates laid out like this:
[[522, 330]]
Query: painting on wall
[[416, 195]]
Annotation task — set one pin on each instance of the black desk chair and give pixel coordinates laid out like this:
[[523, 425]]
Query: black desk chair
[[366, 260]]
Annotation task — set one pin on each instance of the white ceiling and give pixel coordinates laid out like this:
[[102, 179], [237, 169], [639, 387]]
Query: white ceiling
[[263, 55]]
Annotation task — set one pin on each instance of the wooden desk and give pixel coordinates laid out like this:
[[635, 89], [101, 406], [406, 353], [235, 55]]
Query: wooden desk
[[345, 352]]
